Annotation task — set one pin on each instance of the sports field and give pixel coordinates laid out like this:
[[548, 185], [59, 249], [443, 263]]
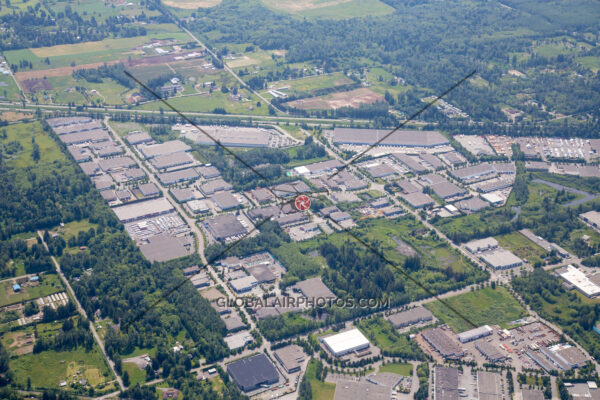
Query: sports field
[[481, 307]]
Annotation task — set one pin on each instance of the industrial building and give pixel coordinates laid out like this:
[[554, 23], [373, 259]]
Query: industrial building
[[238, 340], [318, 168], [112, 164], [94, 136], [164, 247], [290, 357], [446, 383], [234, 136], [418, 200], [143, 209], [475, 172], [79, 154], [410, 162], [446, 190], [501, 259], [244, 284], [410, 317], [442, 343], [208, 171], [471, 205], [171, 160], [313, 288], [262, 195], [225, 200], [214, 186], [481, 245], [253, 372], [262, 273], [564, 356], [149, 190], [490, 352], [182, 175], [170, 147], [528, 394], [402, 138], [577, 279], [198, 206], [489, 385], [346, 342], [381, 171], [138, 137], [474, 334], [224, 227], [592, 218]]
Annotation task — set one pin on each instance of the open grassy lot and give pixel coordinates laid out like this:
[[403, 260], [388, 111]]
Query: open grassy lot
[[48, 368], [8, 88], [208, 103], [309, 84], [521, 246], [330, 9], [136, 375], [23, 134], [73, 228], [485, 306], [400, 369], [591, 62], [50, 283], [320, 390], [382, 334]]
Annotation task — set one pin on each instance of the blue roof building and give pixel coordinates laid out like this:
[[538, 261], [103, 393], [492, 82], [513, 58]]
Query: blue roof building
[[17, 287]]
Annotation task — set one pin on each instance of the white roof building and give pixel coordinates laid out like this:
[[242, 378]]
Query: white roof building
[[346, 342], [476, 246], [579, 280], [143, 209], [474, 334]]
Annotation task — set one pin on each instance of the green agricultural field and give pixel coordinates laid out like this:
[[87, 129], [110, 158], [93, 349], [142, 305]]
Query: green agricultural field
[[382, 334], [48, 368], [591, 62], [320, 390], [8, 88], [331, 9], [50, 283], [306, 86], [208, 103], [65, 55], [521, 246], [400, 369], [481, 307]]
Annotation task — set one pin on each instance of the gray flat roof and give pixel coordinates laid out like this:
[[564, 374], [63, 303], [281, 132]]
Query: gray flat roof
[[251, 372], [446, 383], [381, 170], [171, 160], [215, 185], [418, 199], [527, 394], [473, 204], [447, 189], [169, 178], [225, 200], [138, 137], [410, 317], [409, 138], [443, 343], [163, 248], [314, 288], [262, 273], [109, 164], [170, 147], [489, 384], [290, 357], [225, 226]]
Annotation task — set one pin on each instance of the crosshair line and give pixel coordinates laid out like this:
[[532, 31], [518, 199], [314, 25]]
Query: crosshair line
[[415, 115], [402, 271], [206, 264]]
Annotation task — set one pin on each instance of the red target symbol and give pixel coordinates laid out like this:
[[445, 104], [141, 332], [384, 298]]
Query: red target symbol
[[302, 202]]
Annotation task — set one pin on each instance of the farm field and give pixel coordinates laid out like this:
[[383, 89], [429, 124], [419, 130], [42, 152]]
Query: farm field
[[8, 88], [210, 102], [331, 9], [48, 368], [353, 98], [50, 283], [71, 55], [310, 84], [481, 307]]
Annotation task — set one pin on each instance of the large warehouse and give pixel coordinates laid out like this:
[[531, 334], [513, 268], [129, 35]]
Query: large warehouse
[[501, 259], [346, 342], [412, 138], [170, 147], [143, 209], [254, 372], [580, 281], [474, 334]]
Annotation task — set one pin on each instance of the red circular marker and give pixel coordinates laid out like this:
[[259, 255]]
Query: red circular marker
[[302, 202]]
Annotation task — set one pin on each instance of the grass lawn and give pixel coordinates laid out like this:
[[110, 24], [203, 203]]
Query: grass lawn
[[48, 368], [8, 88], [50, 284], [481, 307], [400, 369], [320, 390], [591, 62], [73, 228]]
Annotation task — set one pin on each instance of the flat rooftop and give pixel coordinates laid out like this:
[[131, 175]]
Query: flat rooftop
[[408, 138], [410, 317], [225, 226], [251, 372], [345, 341], [164, 248], [314, 288], [578, 279], [143, 209], [170, 147]]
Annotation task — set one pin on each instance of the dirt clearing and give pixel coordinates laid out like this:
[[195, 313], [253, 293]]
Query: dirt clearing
[[353, 98]]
